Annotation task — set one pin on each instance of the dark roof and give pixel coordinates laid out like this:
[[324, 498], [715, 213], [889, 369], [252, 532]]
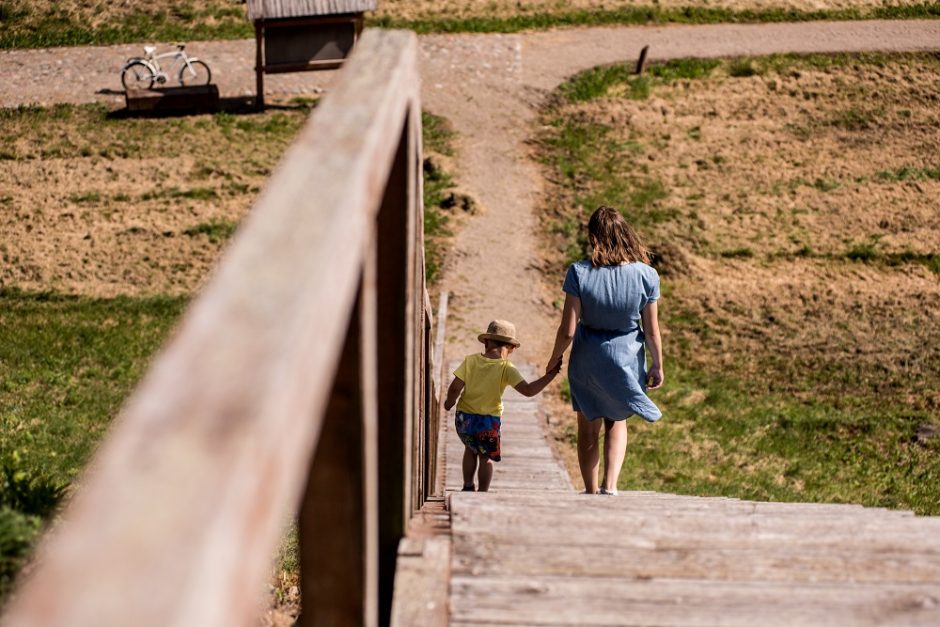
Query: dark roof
[[274, 9]]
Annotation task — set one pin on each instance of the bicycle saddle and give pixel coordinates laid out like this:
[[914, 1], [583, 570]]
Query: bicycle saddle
[[149, 49], [181, 46]]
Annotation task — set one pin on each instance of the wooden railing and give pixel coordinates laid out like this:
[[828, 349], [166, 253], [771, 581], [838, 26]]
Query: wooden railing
[[300, 380]]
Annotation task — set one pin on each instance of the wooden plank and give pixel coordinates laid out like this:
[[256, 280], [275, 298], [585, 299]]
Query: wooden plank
[[421, 582], [276, 9], [478, 555], [439, 336], [535, 500], [610, 601], [652, 532], [613, 602], [313, 66], [180, 512]]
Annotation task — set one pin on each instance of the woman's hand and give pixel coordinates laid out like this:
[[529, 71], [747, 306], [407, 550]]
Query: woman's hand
[[654, 378]]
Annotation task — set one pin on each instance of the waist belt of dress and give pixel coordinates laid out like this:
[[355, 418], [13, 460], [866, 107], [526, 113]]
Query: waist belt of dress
[[610, 331]]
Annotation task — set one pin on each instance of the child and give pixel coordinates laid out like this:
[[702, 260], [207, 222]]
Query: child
[[482, 379]]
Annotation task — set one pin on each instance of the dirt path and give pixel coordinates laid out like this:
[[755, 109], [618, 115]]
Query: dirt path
[[489, 86]]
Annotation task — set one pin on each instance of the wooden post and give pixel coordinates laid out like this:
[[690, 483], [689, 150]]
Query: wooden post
[[395, 336], [339, 512], [259, 65], [427, 468], [641, 62], [419, 297], [437, 374]]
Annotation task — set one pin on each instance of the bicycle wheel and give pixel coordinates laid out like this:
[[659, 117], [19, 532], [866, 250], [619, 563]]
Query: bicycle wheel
[[137, 75], [197, 73]]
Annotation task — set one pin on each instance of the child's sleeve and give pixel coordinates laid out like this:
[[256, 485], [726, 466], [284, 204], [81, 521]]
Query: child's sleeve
[[461, 371], [512, 376]]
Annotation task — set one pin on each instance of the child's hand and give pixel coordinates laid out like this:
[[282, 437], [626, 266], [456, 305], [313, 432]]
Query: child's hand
[[554, 368]]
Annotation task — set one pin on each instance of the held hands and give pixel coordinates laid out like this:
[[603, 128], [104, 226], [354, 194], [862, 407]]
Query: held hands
[[554, 367], [654, 378]]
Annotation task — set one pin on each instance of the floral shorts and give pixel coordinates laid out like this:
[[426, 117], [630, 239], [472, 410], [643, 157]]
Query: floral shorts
[[479, 433]]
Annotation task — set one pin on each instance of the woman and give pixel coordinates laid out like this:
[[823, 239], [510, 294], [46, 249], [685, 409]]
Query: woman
[[606, 298]]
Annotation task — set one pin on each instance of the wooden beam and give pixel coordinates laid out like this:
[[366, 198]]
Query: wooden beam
[[180, 512], [259, 65], [339, 513], [641, 62], [312, 66]]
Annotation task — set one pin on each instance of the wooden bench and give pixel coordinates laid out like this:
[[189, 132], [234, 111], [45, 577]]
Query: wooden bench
[[201, 98]]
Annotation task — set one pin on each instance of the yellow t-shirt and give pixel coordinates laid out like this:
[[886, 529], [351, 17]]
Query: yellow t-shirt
[[484, 381]]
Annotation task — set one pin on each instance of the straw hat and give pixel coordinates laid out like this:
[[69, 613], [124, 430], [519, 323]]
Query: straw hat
[[500, 331]]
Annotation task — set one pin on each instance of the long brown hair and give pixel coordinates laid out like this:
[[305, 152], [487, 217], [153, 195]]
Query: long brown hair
[[613, 241]]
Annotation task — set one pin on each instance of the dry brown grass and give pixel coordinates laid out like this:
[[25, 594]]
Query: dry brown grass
[[101, 205], [97, 13], [796, 211], [463, 9]]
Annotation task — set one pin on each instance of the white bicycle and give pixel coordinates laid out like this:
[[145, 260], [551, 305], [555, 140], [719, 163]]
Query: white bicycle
[[143, 72]]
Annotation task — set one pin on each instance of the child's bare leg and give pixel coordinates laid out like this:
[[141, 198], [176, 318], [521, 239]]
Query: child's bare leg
[[588, 452], [469, 466], [615, 449], [486, 473]]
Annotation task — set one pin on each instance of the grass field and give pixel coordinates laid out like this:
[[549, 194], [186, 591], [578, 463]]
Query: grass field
[[790, 201], [42, 23], [110, 225]]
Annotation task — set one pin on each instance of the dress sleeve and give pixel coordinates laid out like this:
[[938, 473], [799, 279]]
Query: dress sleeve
[[461, 371], [572, 285], [653, 289], [512, 376]]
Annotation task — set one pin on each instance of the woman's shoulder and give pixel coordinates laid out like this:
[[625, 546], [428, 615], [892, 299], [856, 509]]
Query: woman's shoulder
[[645, 269], [581, 264]]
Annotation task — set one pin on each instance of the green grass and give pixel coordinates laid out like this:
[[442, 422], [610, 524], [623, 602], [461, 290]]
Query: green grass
[[586, 158], [437, 137], [215, 230], [24, 28], [66, 365], [723, 437], [737, 253], [908, 173], [91, 131], [437, 134]]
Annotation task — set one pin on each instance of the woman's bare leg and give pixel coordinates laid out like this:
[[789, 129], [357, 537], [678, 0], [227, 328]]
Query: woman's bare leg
[[588, 452], [615, 449], [486, 473], [469, 466]]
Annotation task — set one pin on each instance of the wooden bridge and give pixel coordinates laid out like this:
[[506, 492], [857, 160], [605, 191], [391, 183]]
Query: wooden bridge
[[303, 383]]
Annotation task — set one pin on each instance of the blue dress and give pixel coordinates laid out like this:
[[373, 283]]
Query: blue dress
[[607, 369]]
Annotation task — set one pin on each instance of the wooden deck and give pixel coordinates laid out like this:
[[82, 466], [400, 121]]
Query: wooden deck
[[535, 552]]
